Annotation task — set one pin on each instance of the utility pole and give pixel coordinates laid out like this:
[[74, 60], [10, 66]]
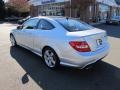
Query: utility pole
[[70, 9]]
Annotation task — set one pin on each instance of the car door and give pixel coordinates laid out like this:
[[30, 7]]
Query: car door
[[28, 32], [42, 34]]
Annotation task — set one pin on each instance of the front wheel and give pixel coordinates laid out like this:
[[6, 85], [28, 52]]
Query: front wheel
[[50, 58], [12, 39]]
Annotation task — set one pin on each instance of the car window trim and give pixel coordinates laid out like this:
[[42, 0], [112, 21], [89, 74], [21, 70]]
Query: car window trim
[[46, 21]]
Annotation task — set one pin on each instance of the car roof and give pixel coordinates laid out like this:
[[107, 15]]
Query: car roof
[[52, 17], [55, 17]]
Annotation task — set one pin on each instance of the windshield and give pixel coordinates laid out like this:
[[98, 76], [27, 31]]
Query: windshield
[[73, 25]]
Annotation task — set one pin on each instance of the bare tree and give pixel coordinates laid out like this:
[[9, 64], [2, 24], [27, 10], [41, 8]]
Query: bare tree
[[2, 10], [19, 5]]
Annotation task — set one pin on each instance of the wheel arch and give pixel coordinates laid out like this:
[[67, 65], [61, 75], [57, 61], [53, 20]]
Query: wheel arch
[[11, 34], [56, 50]]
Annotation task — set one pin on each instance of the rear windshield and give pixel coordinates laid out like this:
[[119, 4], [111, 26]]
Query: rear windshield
[[73, 25]]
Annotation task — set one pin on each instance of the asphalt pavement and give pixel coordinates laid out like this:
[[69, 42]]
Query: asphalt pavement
[[20, 69]]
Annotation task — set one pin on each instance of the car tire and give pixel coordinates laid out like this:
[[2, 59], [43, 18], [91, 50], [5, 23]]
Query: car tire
[[50, 58], [13, 41]]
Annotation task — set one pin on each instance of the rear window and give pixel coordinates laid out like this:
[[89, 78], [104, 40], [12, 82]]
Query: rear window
[[73, 25]]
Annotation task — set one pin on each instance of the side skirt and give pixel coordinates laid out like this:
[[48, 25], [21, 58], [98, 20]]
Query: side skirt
[[32, 50]]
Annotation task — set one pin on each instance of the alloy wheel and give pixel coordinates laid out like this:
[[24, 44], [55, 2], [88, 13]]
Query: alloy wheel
[[49, 58], [12, 39]]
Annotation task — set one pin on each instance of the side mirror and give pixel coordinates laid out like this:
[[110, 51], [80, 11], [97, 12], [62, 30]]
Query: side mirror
[[19, 27]]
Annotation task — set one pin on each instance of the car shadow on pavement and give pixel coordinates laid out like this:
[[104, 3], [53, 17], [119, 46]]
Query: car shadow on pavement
[[102, 77], [112, 30], [1, 22]]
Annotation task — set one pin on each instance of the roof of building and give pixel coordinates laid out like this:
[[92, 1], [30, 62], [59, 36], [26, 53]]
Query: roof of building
[[41, 2], [108, 2]]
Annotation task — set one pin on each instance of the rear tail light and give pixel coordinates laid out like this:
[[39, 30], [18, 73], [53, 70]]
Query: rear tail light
[[80, 46]]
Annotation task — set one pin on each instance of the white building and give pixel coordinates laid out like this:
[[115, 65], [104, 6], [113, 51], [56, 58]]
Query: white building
[[100, 9]]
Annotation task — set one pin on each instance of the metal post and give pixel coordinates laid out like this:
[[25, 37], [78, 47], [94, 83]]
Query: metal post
[[70, 9]]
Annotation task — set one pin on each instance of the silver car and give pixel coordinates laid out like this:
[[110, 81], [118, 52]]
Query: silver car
[[62, 41], [114, 20]]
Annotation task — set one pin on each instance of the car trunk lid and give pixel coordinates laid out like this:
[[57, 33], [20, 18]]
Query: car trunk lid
[[96, 38]]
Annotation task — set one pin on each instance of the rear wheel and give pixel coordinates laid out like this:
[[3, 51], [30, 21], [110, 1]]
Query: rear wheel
[[13, 41], [50, 58]]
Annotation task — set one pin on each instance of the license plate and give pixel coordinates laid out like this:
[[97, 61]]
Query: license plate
[[99, 42]]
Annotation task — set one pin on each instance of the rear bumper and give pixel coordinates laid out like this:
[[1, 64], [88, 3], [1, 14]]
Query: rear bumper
[[81, 66], [86, 59]]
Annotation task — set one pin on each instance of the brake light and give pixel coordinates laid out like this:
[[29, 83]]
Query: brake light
[[80, 46]]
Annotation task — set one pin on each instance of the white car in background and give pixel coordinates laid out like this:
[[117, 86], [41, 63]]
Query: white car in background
[[62, 41], [113, 20]]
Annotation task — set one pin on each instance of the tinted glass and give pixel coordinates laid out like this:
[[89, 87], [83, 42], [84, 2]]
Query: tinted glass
[[74, 25], [30, 23], [45, 25]]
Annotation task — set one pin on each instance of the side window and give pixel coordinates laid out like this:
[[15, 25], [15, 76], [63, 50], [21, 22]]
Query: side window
[[45, 25], [30, 24]]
